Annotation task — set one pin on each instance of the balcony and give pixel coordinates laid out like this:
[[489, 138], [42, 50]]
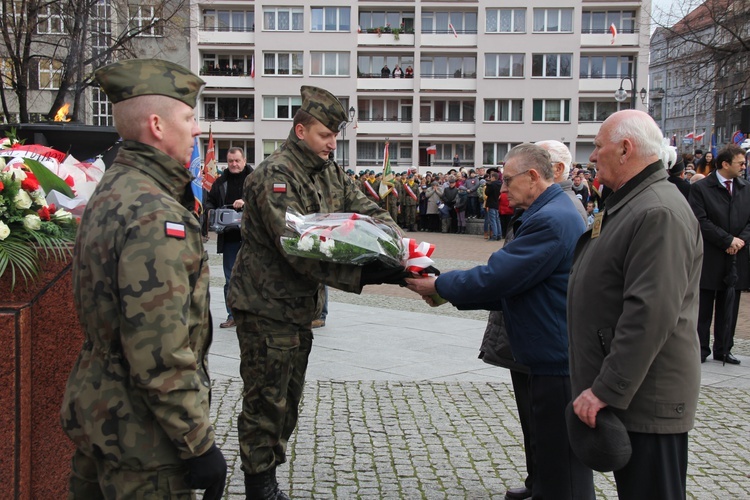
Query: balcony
[[385, 39], [600, 84], [228, 127], [466, 83], [381, 127], [225, 37], [447, 128], [375, 82], [448, 39], [605, 40], [588, 129], [222, 81]]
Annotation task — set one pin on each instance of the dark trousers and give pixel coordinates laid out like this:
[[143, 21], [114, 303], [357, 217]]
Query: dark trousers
[[523, 404], [505, 223], [558, 473], [230, 252], [472, 209], [722, 344], [657, 468]]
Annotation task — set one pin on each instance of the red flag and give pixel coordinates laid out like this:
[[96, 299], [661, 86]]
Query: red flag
[[453, 29], [613, 30], [252, 67], [209, 167], [432, 150], [700, 137], [690, 135]]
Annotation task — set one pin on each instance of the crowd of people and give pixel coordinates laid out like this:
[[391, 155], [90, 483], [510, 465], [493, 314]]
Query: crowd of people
[[622, 237]]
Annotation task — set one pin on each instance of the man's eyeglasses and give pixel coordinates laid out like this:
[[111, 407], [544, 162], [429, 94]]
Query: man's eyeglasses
[[507, 179]]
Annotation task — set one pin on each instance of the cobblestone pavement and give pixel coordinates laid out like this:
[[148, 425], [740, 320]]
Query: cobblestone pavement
[[432, 437]]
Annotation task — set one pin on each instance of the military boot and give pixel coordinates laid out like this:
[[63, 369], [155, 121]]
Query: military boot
[[263, 486]]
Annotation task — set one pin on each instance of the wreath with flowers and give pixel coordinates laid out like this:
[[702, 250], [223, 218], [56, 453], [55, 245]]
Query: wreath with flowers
[[31, 228]]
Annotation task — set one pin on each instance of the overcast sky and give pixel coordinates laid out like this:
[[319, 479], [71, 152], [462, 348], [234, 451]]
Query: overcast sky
[[668, 12]]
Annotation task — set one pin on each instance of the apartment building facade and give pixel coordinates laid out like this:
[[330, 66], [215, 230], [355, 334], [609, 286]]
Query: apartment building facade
[[485, 76]]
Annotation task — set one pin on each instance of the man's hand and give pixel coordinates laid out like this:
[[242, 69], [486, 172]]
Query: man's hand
[[377, 273], [208, 472], [736, 246], [238, 204], [423, 285], [586, 406]]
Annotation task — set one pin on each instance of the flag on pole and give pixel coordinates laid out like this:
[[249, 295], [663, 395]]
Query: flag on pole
[[713, 142], [690, 135], [209, 165], [450, 25], [699, 137], [386, 183], [252, 67], [432, 150], [196, 184], [613, 30]]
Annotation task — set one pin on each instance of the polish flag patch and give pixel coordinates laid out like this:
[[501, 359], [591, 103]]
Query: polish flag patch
[[279, 187], [175, 230]]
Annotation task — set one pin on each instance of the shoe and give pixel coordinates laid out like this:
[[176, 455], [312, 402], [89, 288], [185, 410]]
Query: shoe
[[486, 235], [521, 493], [318, 323], [229, 323], [264, 486], [703, 359], [728, 359]]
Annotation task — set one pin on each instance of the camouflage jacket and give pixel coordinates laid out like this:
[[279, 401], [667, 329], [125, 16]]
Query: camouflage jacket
[[407, 200], [138, 393], [268, 283]]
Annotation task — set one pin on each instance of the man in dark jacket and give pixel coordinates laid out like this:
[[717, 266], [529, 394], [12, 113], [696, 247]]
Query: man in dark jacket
[[636, 352], [527, 280], [226, 191], [677, 177], [721, 202]]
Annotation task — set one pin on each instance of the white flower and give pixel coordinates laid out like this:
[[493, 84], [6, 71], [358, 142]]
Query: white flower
[[19, 174], [327, 247], [306, 243], [39, 199], [22, 200], [32, 222], [62, 215], [4, 230]]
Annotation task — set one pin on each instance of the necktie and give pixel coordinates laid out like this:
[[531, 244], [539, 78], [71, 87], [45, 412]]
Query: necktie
[[728, 184]]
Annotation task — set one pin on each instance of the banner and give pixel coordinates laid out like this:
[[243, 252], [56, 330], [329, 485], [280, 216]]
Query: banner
[[196, 183], [386, 183], [209, 166]]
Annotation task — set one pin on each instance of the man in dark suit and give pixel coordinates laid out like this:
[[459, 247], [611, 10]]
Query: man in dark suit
[[721, 203]]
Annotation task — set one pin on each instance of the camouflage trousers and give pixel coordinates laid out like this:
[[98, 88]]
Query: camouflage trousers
[[273, 363], [92, 479], [392, 207], [410, 216]]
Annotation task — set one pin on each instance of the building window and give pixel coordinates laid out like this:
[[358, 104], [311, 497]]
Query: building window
[[380, 110], [50, 74], [50, 21], [370, 21], [506, 21], [371, 66], [553, 20], [283, 19], [6, 73], [102, 112], [282, 63], [228, 20], [503, 110], [441, 22], [598, 111], [493, 153], [370, 153], [447, 111], [331, 19], [600, 21], [225, 64], [551, 65], [329, 63], [551, 110], [228, 108], [503, 65], [146, 20], [270, 146], [281, 108], [448, 67], [222, 148], [607, 67]]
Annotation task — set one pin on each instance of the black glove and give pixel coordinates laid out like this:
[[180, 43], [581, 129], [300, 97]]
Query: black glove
[[208, 472], [430, 270], [378, 273]]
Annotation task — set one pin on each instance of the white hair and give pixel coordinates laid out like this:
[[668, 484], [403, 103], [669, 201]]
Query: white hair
[[640, 129], [558, 153]]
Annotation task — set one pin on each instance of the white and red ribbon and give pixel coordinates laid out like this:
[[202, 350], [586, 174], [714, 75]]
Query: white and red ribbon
[[417, 255]]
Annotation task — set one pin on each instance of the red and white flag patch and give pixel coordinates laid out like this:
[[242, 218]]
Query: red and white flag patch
[[279, 187], [175, 230]]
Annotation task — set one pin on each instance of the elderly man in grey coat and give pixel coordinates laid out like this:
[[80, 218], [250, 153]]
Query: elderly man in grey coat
[[637, 350]]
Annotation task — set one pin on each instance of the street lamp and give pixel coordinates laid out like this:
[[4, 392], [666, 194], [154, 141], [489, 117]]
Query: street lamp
[[621, 94], [352, 111]]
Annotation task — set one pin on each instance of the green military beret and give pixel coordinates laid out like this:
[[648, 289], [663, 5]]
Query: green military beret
[[136, 77], [324, 106]]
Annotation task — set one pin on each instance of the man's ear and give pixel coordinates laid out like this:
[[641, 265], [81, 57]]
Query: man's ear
[[155, 126], [299, 131]]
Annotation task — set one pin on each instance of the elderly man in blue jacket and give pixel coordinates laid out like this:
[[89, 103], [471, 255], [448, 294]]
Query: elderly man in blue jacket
[[528, 280]]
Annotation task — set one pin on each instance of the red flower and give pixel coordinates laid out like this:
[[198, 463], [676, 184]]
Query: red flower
[[43, 213], [69, 181], [2, 186], [52, 208], [30, 183]]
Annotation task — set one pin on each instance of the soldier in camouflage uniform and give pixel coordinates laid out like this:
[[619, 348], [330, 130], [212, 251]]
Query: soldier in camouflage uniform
[[275, 297], [136, 401], [409, 202]]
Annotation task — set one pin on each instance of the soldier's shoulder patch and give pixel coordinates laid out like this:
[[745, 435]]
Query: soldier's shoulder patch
[[279, 187], [175, 229]]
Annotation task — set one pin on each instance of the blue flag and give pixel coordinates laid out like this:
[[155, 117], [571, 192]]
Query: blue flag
[[713, 143], [196, 183]]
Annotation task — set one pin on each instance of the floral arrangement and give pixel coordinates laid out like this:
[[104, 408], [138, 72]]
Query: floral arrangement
[[342, 237], [29, 226]]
